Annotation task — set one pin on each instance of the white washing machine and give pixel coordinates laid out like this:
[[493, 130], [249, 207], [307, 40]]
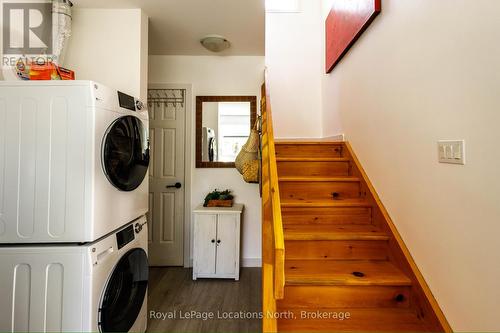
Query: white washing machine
[[99, 287], [74, 161]]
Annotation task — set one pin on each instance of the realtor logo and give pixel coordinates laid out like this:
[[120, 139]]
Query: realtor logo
[[27, 28]]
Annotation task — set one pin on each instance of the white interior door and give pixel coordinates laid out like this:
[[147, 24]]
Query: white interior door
[[226, 244], [166, 201]]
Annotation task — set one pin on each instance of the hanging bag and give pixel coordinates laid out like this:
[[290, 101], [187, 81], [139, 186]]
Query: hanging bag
[[251, 171], [249, 150]]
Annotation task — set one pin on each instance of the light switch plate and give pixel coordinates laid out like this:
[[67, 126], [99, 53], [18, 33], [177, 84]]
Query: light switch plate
[[451, 151]]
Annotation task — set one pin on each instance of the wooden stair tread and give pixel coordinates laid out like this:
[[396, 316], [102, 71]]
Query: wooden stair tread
[[307, 142], [333, 232], [340, 272], [360, 320], [318, 179], [326, 203], [312, 159]]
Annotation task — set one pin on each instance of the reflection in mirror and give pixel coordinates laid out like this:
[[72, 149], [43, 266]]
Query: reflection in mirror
[[226, 127], [223, 126]]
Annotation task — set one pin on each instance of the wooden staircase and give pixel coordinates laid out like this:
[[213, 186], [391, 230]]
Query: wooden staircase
[[337, 252], [332, 251]]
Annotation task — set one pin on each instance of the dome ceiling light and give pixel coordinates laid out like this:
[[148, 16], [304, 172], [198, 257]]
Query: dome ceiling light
[[215, 43]]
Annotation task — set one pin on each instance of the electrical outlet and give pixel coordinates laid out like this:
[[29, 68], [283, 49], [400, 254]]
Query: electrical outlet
[[451, 151]]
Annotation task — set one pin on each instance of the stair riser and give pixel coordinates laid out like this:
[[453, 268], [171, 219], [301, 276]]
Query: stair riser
[[297, 297], [318, 190], [326, 215], [293, 150], [360, 320], [317, 169], [336, 250]]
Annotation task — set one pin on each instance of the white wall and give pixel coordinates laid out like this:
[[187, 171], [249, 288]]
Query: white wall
[[110, 46], [293, 60], [213, 75], [331, 123], [427, 70]]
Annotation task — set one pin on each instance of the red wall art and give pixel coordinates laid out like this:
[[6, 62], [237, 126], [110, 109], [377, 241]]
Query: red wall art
[[345, 23]]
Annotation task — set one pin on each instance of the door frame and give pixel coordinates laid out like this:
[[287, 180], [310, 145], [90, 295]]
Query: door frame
[[188, 119]]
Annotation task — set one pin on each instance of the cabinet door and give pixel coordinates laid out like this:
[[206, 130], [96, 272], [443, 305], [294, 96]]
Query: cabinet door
[[205, 234], [227, 244]]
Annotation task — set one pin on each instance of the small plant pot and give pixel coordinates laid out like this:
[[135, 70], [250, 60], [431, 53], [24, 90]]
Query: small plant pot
[[220, 203]]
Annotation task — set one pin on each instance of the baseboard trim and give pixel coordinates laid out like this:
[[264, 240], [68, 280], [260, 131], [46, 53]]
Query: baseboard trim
[[251, 262], [245, 262], [340, 137]]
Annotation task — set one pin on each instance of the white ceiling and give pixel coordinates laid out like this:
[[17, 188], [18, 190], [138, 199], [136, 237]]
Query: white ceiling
[[176, 26]]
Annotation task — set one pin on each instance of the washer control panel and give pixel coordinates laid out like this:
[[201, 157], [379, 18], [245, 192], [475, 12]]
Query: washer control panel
[[125, 236], [127, 102]]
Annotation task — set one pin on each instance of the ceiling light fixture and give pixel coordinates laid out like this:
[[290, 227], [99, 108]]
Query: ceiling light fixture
[[215, 43]]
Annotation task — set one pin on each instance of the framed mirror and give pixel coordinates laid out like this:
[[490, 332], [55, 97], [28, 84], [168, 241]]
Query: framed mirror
[[223, 124]]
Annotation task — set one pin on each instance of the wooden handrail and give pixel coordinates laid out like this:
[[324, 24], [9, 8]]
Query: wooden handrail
[[273, 242]]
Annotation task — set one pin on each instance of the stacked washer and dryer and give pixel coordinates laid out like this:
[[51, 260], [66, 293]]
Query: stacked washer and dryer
[[74, 159]]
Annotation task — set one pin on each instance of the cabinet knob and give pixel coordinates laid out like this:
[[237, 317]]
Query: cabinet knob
[[213, 240], [218, 241]]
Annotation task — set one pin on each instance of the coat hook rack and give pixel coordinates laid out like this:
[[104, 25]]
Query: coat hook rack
[[166, 97]]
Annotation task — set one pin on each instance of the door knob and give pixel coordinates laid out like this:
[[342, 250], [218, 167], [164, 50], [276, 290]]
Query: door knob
[[176, 185]]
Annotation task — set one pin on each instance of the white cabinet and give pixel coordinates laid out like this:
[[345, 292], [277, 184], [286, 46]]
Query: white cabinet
[[216, 244]]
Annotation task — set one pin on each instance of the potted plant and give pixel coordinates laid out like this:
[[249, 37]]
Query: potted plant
[[219, 199]]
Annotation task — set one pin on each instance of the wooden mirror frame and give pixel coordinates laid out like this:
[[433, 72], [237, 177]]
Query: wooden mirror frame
[[199, 122]]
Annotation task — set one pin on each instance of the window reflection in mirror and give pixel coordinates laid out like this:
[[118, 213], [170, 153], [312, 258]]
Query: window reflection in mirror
[[226, 127], [222, 128]]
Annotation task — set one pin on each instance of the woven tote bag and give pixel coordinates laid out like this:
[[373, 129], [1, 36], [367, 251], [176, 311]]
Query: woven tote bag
[[251, 171], [249, 150]]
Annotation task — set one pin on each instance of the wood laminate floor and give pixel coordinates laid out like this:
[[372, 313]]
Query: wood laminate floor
[[173, 292]]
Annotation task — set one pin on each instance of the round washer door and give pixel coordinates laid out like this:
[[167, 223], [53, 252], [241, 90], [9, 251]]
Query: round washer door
[[125, 292], [125, 156]]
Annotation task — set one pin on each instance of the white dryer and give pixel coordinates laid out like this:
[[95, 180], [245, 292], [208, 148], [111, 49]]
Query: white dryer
[[74, 161], [99, 287]]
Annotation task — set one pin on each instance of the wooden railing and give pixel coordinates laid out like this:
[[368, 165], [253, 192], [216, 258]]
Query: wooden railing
[[273, 243]]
